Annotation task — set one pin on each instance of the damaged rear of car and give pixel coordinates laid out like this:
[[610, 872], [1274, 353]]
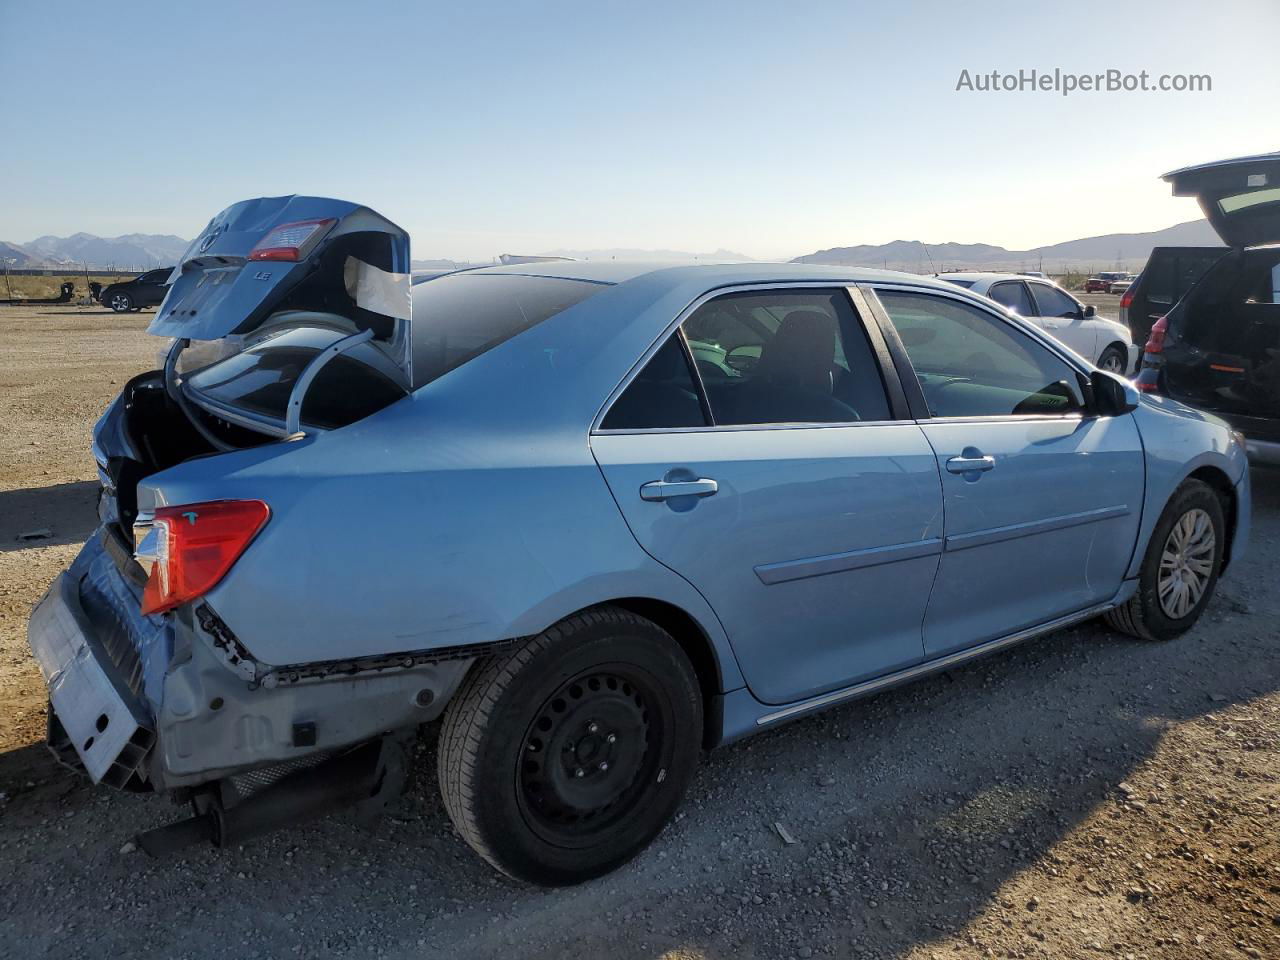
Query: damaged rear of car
[[287, 316]]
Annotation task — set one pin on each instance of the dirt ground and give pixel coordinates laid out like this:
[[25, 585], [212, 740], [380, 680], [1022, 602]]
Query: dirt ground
[[1083, 795]]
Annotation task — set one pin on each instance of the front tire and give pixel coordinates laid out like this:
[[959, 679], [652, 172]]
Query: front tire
[[563, 759], [121, 302], [1180, 569]]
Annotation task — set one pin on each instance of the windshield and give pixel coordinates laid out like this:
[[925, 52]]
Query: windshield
[[459, 316]]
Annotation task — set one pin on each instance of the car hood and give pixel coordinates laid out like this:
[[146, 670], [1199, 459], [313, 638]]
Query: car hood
[[355, 264], [1240, 197]]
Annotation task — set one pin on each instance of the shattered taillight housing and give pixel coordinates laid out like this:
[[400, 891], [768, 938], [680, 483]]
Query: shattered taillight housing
[[186, 550], [291, 241]]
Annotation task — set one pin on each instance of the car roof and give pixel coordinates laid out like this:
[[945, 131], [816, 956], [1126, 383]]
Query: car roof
[[976, 276], [711, 274]]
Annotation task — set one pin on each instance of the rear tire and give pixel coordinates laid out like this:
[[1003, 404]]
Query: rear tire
[[563, 759], [1114, 359], [121, 302], [1180, 569]]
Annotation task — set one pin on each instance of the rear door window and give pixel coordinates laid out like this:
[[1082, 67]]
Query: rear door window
[[1052, 302], [780, 356], [1013, 294], [972, 364], [786, 356]]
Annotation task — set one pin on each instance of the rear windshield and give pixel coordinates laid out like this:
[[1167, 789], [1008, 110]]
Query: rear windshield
[[259, 380], [1172, 272], [455, 319], [459, 316]]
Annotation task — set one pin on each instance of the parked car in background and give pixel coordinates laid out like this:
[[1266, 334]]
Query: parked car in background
[[1218, 347], [1121, 285], [1103, 342], [1100, 282], [145, 290], [1170, 272]]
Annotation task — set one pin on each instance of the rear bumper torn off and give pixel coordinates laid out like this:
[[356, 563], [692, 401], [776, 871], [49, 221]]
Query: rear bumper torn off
[[106, 723]]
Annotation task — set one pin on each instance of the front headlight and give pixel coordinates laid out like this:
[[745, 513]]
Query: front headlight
[[1238, 439]]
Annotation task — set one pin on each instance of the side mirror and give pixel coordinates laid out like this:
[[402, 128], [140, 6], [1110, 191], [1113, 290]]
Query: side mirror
[[1112, 396], [1090, 311]]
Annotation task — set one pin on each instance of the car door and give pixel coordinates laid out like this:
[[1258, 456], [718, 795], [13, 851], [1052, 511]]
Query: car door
[[151, 288], [1064, 319], [757, 453], [1042, 498]]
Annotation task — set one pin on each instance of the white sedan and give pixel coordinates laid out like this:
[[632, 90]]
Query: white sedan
[[1104, 342]]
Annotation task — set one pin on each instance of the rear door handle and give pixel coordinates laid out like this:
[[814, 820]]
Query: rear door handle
[[666, 489], [970, 464]]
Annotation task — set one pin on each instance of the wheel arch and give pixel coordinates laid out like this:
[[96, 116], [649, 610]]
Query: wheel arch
[[1218, 481], [714, 676]]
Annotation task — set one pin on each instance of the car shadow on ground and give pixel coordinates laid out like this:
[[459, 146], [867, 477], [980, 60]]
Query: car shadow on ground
[[68, 511], [910, 810]]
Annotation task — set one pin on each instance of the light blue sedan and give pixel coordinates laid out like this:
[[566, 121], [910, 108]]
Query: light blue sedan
[[594, 517]]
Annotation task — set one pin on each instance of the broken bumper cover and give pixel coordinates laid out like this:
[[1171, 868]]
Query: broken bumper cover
[[103, 719], [158, 702]]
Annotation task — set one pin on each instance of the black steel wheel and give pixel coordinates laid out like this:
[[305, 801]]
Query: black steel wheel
[[563, 759]]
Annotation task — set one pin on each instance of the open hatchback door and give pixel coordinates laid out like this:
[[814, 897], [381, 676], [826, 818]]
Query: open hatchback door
[[1240, 197]]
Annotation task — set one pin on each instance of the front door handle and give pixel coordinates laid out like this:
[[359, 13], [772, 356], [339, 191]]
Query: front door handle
[[970, 464], [666, 489]]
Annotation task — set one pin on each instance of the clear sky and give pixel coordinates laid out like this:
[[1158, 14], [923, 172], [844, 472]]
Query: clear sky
[[772, 128]]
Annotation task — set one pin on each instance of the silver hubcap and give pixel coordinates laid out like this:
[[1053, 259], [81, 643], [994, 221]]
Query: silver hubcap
[[120, 302], [1186, 563], [1112, 363]]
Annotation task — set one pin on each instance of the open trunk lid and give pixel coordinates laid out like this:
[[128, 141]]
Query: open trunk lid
[[1240, 197], [259, 258]]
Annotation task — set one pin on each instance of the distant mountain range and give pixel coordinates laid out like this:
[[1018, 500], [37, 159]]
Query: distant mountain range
[[1119, 251], [139, 251]]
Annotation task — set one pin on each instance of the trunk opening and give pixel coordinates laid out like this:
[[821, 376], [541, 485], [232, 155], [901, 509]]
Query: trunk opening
[[157, 435]]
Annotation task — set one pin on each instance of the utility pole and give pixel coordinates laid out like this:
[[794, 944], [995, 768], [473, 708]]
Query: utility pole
[[7, 261]]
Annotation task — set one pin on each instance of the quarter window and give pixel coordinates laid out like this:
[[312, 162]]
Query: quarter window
[[1013, 294], [662, 395], [1052, 302], [972, 364]]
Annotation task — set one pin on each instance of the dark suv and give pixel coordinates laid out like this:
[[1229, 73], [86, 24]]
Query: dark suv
[[146, 290], [1218, 347], [1170, 272]]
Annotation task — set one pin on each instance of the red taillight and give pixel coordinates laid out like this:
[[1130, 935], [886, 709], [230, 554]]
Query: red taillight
[[1155, 342], [291, 241], [194, 546], [1126, 301]]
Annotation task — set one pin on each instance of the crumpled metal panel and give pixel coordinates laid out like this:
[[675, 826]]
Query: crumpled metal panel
[[140, 647]]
